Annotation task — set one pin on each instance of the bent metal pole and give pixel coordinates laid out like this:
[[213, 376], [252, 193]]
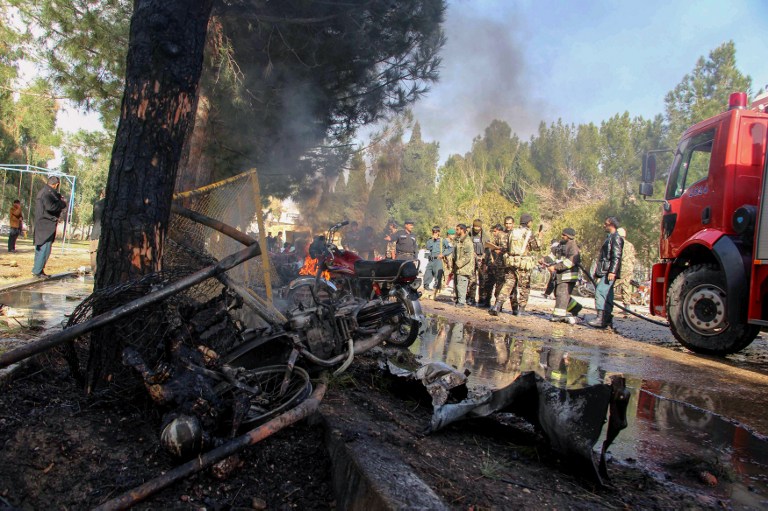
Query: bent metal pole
[[69, 334]]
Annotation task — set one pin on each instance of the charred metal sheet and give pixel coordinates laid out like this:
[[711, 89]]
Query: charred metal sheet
[[440, 380], [571, 420]]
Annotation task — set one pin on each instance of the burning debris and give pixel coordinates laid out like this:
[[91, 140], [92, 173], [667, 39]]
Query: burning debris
[[311, 264]]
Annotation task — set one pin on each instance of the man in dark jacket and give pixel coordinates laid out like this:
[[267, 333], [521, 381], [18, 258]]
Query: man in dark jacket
[[607, 271], [564, 266], [48, 207]]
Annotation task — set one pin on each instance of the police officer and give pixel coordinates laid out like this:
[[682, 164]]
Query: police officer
[[480, 271], [565, 269], [405, 242], [438, 250], [519, 261]]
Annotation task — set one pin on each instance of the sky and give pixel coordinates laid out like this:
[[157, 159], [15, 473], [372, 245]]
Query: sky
[[527, 61]]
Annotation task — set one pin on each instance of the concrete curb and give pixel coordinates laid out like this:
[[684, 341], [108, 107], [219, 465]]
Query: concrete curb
[[368, 476]]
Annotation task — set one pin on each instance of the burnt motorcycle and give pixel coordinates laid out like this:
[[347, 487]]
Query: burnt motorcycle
[[338, 272], [324, 336]]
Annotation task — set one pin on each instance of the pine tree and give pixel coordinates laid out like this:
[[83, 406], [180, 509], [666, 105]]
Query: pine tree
[[704, 92]]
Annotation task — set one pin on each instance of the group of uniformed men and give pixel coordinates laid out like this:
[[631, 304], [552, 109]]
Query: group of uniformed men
[[500, 265]]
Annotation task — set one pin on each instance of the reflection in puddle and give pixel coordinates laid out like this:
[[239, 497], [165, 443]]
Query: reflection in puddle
[[46, 303], [497, 359], [662, 431]]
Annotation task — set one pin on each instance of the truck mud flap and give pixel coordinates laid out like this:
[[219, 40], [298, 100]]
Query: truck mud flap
[[736, 278]]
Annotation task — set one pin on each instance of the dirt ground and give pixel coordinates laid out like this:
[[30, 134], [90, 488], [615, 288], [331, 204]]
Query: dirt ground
[[18, 266], [61, 450]]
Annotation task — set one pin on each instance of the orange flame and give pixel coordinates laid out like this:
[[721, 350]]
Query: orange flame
[[310, 268]]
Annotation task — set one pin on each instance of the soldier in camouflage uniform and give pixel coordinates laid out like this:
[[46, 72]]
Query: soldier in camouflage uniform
[[480, 272], [517, 282], [492, 258], [622, 287], [463, 263], [390, 241], [497, 269]]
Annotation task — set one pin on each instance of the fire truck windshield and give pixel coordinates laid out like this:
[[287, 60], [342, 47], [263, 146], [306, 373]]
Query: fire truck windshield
[[691, 163]]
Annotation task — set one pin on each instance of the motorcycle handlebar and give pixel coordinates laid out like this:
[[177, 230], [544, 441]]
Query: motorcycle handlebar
[[340, 224]]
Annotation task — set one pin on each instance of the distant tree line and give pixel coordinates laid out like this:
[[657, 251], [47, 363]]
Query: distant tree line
[[285, 86], [565, 175]]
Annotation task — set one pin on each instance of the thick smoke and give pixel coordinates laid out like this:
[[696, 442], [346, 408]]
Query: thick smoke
[[483, 77]]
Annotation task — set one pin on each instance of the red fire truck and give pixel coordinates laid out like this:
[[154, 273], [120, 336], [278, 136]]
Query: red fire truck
[[712, 281]]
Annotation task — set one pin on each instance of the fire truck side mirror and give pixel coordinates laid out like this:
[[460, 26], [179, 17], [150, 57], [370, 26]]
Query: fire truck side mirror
[[649, 175], [646, 189], [649, 168]]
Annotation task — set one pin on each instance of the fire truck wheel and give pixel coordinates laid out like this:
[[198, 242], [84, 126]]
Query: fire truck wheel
[[696, 308]]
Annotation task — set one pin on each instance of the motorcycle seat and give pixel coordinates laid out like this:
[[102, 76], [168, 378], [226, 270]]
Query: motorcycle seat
[[387, 269]]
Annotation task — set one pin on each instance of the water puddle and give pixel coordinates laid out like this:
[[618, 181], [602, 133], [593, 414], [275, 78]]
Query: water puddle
[[44, 304], [673, 429]]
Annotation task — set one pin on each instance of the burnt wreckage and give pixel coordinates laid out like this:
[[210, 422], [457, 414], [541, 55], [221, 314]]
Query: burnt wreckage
[[220, 360]]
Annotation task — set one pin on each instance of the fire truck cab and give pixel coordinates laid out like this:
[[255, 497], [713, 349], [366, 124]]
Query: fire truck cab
[[712, 279]]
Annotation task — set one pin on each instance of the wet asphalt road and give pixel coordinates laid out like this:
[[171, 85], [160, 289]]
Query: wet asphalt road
[[684, 406]]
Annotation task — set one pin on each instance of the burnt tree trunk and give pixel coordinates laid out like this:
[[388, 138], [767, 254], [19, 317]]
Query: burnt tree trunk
[[165, 57], [196, 166], [164, 63]]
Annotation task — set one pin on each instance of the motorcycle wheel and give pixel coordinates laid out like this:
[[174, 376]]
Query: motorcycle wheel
[[408, 329], [270, 401]]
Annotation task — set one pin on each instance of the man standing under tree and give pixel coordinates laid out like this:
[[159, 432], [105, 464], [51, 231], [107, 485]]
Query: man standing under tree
[[48, 207], [438, 249], [607, 271], [463, 263], [15, 221]]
